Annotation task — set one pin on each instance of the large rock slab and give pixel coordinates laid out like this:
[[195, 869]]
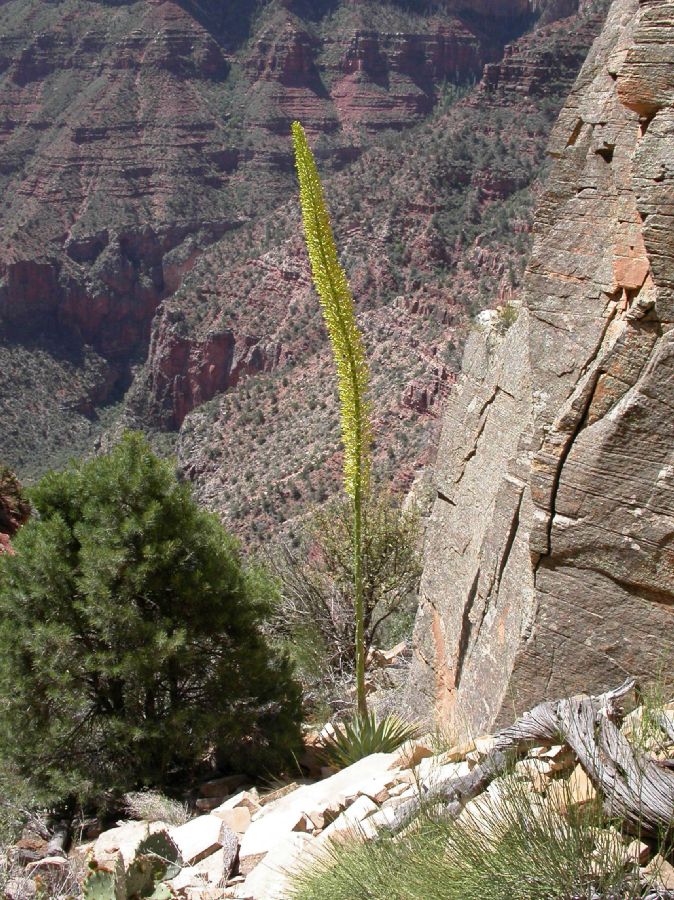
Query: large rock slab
[[275, 821], [270, 879], [550, 554], [203, 836]]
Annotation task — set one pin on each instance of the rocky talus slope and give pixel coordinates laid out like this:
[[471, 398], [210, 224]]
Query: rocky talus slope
[[248, 844], [550, 560]]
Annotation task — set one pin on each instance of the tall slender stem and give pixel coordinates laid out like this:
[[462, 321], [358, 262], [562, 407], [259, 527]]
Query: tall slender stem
[[352, 374], [358, 599]]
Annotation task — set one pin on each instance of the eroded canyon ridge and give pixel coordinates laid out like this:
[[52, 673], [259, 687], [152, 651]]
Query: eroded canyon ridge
[[550, 558], [150, 255]]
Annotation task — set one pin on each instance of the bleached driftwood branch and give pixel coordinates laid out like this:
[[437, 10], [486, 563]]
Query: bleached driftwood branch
[[635, 787]]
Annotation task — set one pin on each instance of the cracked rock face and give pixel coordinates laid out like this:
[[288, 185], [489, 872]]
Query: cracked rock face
[[550, 555]]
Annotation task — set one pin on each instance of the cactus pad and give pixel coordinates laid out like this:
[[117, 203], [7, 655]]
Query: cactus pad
[[100, 884], [164, 854]]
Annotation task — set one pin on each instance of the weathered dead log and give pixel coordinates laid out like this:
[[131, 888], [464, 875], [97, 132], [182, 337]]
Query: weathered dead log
[[454, 793], [60, 838], [635, 787]]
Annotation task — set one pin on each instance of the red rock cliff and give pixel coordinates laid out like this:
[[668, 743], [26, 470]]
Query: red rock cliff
[[550, 560]]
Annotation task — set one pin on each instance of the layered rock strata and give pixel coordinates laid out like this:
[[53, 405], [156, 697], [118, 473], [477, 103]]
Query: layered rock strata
[[550, 557]]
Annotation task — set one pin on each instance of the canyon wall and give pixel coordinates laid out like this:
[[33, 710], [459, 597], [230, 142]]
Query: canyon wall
[[550, 555], [124, 139], [152, 268]]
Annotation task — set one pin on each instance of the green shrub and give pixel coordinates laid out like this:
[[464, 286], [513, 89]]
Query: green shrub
[[507, 316], [315, 614], [130, 647], [153, 806]]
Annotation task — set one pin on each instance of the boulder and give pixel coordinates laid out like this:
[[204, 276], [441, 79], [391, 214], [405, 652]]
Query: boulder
[[201, 837], [536, 772], [354, 820], [638, 853], [269, 879], [581, 789], [661, 873], [283, 791], [221, 787], [216, 868], [248, 799], [411, 753], [577, 791], [237, 819], [368, 776], [431, 772]]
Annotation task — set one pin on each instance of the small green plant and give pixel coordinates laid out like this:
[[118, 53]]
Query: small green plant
[[363, 735], [352, 375], [649, 729], [507, 315]]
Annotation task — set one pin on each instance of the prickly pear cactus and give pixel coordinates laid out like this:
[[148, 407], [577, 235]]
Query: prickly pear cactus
[[140, 877], [157, 859], [100, 884], [163, 853]]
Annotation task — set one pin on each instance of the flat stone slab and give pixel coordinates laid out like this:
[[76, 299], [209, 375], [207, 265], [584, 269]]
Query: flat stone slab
[[238, 819], [271, 823], [249, 799], [353, 820], [200, 837], [221, 787], [269, 879]]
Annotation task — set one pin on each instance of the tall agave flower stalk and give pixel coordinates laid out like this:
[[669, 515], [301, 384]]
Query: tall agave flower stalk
[[352, 374]]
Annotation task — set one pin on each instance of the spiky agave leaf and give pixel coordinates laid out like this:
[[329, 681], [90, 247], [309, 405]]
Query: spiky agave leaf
[[363, 735], [340, 318]]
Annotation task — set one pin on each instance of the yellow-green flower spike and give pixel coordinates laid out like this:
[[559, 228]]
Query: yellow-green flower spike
[[339, 313], [340, 318]]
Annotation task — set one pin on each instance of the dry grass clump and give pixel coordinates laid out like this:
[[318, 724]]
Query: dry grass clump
[[514, 845], [153, 806]]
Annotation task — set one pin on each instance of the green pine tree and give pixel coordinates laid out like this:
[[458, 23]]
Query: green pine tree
[[130, 646]]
